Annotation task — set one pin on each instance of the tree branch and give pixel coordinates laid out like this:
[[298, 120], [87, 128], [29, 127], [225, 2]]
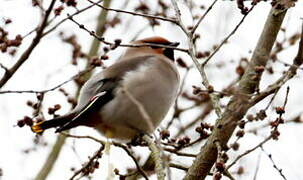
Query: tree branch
[[290, 73], [238, 105], [72, 15], [50, 89], [192, 53], [88, 164], [156, 156], [249, 151], [202, 17], [30, 49], [134, 13]]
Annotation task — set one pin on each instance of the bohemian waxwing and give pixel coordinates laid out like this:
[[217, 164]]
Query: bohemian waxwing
[[148, 75]]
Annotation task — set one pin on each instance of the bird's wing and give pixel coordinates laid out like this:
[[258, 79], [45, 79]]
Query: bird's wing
[[94, 104], [96, 92], [75, 118]]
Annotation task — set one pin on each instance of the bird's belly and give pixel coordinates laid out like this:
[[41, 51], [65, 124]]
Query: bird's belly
[[153, 92], [116, 131], [123, 119]]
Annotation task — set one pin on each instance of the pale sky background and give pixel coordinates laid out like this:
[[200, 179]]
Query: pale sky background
[[49, 65]]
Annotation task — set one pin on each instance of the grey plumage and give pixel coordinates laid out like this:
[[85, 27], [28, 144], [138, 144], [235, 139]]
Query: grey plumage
[[150, 77]]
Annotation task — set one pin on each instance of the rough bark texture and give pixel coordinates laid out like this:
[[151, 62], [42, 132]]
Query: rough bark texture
[[238, 105]]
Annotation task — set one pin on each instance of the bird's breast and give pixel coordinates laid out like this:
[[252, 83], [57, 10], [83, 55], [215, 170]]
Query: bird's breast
[[153, 86]]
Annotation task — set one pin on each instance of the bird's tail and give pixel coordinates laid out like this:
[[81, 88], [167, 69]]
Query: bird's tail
[[59, 121]]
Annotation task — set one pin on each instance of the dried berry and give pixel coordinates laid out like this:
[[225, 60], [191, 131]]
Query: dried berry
[[280, 110], [210, 89], [259, 69], [116, 171], [105, 49], [57, 107], [29, 103], [164, 134], [142, 7], [240, 170], [181, 63], [275, 134], [118, 41], [8, 21], [28, 121], [35, 106], [20, 123], [220, 166], [206, 53], [240, 70], [196, 90], [202, 132], [51, 110], [250, 117], [39, 96], [224, 156], [200, 55], [72, 101], [261, 115], [58, 10], [241, 124], [104, 57], [71, 3], [217, 176], [183, 141], [240, 133]]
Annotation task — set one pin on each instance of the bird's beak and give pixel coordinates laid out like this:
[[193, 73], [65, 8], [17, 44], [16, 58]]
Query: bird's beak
[[175, 44]]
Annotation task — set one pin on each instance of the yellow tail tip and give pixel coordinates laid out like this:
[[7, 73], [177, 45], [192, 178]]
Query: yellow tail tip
[[36, 128]]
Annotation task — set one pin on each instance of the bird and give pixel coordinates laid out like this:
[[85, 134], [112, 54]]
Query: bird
[[144, 76]]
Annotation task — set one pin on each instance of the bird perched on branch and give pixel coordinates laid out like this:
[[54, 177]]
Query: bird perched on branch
[[132, 96]]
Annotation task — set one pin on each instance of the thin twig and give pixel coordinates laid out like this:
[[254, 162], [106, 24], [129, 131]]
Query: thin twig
[[249, 151], [205, 112], [97, 155], [274, 164], [30, 49], [296, 119], [271, 100], [71, 15], [257, 168], [47, 90], [202, 17], [101, 39], [178, 166], [156, 155], [290, 73], [179, 153], [125, 148], [3, 67], [141, 108], [227, 37], [192, 52], [134, 13]]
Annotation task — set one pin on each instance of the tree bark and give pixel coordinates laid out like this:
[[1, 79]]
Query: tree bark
[[238, 105]]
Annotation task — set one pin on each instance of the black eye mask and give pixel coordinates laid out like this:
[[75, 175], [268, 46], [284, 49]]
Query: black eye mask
[[168, 52]]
